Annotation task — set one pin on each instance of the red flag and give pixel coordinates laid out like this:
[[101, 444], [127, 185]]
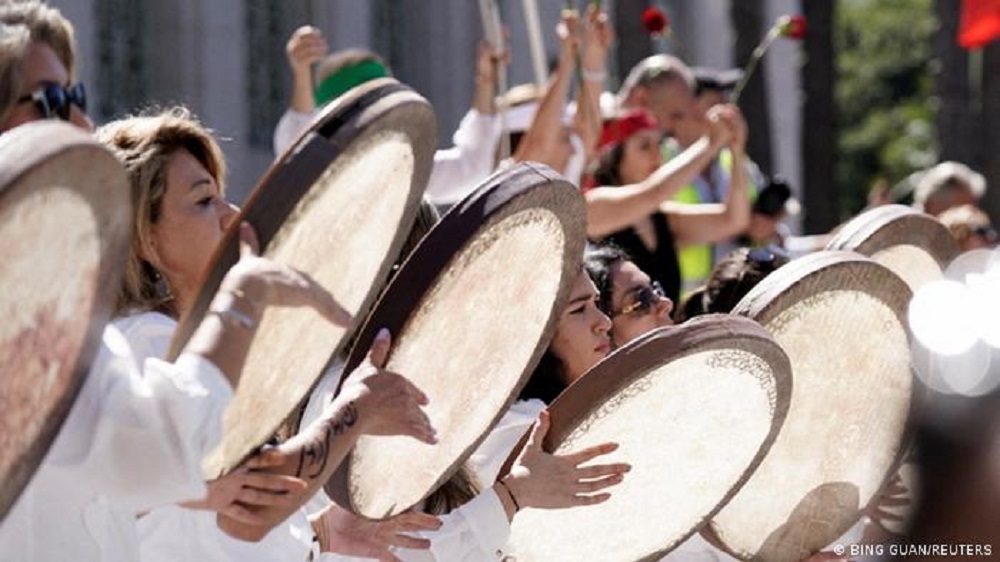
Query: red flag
[[980, 23]]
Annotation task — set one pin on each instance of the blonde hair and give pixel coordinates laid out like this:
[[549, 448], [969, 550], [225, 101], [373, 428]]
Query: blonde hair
[[14, 41], [43, 24], [144, 144]]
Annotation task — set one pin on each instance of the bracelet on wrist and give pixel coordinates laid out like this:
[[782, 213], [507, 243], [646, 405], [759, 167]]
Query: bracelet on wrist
[[599, 75]]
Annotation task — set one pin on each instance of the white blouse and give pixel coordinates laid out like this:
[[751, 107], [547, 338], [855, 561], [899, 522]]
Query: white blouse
[[133, 440], [170, 532]]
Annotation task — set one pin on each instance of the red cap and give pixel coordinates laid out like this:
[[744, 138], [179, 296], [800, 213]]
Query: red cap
[[623, 127]]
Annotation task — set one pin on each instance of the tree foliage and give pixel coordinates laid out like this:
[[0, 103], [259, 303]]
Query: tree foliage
[[884, 91]]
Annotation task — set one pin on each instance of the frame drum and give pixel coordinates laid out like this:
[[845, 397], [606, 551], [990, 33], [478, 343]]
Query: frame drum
[[336, 206], [66, 224], [694, 409], [471, 311], [841, 318], [914, 245]]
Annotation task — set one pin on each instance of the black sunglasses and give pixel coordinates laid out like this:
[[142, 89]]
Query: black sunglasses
[[986, 233], [54, 100], [645, 298], [772, 256]]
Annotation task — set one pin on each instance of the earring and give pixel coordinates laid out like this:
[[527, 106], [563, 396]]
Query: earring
[[161, 287]]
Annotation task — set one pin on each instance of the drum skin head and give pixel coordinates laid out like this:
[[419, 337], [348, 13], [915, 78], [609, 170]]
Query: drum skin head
[[337, 206], [66, 224], [841, 319], [693, 407], [472, 311], [914, 245]]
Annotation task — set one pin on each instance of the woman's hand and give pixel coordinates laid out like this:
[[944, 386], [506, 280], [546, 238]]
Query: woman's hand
[[266, 282], [342, 532], [543, 480], [891, 512], [387, 403], [568, 31], [598, 35], [235, 494], [305, 47]]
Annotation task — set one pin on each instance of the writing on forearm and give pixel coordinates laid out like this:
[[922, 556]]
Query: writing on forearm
[[313, 456]]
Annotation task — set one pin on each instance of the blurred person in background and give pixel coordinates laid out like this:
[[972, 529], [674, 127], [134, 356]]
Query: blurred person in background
[[456, 171]]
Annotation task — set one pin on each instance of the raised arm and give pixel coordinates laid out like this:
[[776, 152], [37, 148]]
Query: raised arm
[[693, 224], [546, 128], [612, 208], [305, 47], [597, 39], [373, 401], [488, 66]]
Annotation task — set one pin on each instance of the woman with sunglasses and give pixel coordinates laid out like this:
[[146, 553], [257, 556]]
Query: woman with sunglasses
[[631, 207], [37, 67], [635, 303]]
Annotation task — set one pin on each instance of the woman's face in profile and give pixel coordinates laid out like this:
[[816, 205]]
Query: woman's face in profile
[[193, 217], [581, 338], [641, 156], [637, 304]]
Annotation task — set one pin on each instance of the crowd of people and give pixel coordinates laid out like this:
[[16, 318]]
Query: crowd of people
[[680, 222]]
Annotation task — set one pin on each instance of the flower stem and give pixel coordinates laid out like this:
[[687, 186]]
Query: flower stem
[[758, 53]]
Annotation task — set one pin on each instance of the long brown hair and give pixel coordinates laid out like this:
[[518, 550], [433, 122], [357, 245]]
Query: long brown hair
[[144, 144]]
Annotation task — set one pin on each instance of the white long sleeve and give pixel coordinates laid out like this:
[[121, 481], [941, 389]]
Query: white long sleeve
[[171, 532], [291, 125], [133, 440], [458, 170]]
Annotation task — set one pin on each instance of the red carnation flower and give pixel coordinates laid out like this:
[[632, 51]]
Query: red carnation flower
[[654, 21], [793, 27]]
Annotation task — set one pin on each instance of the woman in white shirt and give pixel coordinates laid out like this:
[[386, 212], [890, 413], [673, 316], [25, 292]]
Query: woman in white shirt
[[176, 171]]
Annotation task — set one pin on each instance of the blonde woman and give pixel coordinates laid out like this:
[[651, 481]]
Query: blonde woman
[[177, 176]]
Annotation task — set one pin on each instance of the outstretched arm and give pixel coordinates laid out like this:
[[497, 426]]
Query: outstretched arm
[[613, 208], [373, 402], [597, 39]]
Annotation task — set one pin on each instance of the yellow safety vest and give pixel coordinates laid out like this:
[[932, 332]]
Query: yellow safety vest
[[696, 260]]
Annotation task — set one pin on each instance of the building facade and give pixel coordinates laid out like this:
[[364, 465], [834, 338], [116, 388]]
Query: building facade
[[225, 59]]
